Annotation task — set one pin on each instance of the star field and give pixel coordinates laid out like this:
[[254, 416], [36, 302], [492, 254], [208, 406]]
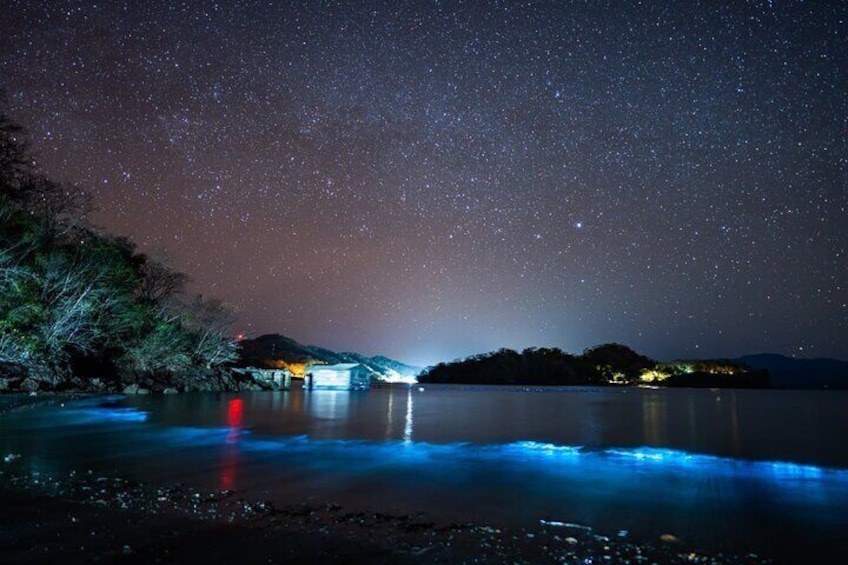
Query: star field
[[430, 180]]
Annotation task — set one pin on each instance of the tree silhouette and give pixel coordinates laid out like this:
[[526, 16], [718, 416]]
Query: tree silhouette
[[70, 294]]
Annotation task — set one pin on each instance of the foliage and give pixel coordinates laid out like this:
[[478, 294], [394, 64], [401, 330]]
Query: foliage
[[537, 366], [69, 294], [618, 363], [611, 363]]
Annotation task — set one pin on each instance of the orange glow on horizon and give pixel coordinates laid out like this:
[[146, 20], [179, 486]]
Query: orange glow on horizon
[[296, 369]]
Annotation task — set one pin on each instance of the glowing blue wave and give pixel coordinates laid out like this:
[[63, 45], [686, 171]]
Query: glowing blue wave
[[548, 457], [84, 415], [684, 491], [520, 457], [537, 470], [101, 409], [98, 415]]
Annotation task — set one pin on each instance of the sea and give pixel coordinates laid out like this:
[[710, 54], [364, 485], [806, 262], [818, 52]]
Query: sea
[[753, 471]]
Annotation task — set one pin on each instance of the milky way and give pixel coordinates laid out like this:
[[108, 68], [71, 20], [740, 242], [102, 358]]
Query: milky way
[[434, 179]]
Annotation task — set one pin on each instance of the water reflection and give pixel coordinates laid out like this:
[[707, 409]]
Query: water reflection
[[235, 412], [657, 460], [230, 460], [735, 438], [390, 418], [654, 420], [328, 404], [591, 432], [407, 428]]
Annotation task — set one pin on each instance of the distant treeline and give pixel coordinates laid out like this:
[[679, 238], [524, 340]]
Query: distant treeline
[[80, 308], [602, 365]]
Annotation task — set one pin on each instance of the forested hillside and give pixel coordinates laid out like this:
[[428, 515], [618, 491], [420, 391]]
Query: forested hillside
[[81, 308]]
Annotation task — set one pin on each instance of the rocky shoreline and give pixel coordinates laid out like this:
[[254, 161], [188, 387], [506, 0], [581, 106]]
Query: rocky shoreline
[[18, 380]]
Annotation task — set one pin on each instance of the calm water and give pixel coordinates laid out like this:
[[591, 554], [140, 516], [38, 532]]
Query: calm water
[[744, 470]]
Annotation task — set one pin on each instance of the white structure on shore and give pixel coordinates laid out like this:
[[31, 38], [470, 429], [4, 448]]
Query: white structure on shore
[[343, 376]]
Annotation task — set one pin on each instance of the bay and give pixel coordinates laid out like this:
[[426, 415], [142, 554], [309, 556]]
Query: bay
[[740, 470]]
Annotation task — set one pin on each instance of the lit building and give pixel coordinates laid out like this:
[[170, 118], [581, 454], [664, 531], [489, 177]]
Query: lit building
[[344, 376]]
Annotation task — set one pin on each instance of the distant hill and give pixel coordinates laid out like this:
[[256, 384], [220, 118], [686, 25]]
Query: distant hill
[[789, 372], [617, 364], [278, 351]]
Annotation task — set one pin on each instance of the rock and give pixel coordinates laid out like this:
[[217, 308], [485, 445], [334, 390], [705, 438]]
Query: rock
[[96, 385], [5, 384], [170, 390], [30, 385], [135, 389]]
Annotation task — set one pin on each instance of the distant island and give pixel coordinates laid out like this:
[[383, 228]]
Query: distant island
[[608, 364], [616, 364]]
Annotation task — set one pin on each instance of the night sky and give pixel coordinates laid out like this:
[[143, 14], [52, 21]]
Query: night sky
[[429, 180]]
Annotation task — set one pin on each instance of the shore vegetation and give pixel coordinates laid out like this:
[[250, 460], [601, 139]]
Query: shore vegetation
[[81, 308], [608, 364]]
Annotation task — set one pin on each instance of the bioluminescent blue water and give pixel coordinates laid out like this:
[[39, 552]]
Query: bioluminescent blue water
[[721, 470]]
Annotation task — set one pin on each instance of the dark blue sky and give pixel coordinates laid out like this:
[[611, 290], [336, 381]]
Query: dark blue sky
[[434, 179]]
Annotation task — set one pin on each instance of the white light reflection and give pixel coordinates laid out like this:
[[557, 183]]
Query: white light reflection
[[407, 429], [389, 415]]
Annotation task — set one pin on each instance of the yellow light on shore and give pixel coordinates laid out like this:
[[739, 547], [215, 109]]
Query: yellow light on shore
[[653, 376]]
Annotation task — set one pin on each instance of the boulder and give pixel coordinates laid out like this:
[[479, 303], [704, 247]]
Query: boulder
[[170, 390], [135, 389], [30, 385], [97, 385]]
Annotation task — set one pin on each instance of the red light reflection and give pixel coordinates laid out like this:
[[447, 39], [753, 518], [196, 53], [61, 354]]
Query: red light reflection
[[235, 413], [235, 410]]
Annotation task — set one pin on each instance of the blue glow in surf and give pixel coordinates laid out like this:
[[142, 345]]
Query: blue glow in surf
[[546, 456], [528, 459], [295, 447], [104, 415], [542, 454], [535, 448]]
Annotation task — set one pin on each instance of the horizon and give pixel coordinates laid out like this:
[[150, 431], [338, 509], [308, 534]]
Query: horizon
[[433, 181]]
